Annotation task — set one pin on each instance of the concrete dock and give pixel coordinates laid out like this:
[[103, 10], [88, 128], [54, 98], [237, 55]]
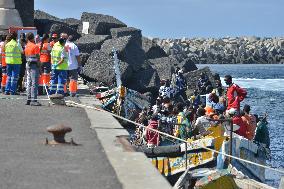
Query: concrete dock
[[100, 161]]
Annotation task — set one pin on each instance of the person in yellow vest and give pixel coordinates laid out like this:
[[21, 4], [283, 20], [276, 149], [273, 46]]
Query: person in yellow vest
[[13, 52], [59, 61]]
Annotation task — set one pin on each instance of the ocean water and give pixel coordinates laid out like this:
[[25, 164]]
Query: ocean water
[[265, 86]]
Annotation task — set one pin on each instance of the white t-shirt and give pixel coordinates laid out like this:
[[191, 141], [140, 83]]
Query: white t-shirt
[[165, 91], [73, 52], [202, 123]]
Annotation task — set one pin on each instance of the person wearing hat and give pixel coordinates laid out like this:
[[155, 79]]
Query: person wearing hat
[[237, 120], [59, 61]]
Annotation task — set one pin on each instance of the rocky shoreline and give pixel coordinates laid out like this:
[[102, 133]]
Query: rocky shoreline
[[228, 50]]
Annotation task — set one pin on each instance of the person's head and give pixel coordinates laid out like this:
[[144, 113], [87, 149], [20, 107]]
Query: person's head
[[167, 99], [37, 38], [70, 38], [163, 82], [246, 108], [202, 75], [177, 69], [216, 76], [180, 72], [62, 41], [54, 37], [44, 38], [22, 36], [30, 37], [179, 107], [228, 79], [213, 98], [3, 37], [64, 36], [231, 112], [11, 36], [200, 112]]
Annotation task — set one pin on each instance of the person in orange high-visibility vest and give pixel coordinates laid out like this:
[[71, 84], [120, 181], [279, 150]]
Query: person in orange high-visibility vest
[[45, 50], [2, 61], [32, 53]]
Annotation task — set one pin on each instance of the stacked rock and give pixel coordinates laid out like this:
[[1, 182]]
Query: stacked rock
[[143, 63], [227, 50]]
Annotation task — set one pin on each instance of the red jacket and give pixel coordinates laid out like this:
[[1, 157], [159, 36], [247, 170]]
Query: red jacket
[[152, 136], [242, 131], [235, 95]]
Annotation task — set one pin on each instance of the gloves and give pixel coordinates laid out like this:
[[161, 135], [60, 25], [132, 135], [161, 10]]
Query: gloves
[[54, 66]]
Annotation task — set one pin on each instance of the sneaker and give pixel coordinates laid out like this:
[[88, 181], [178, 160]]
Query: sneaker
[[35, 104], [7, 93], [28, 102]]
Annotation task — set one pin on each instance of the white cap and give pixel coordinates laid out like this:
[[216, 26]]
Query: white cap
[[232, 111]]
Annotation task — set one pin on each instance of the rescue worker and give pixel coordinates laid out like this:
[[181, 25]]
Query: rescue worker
[[4, 65], [1, 46], [13, 52], [235, 94], [45, 50], [32, 53], [74, 65], [54, 39], [59, 61]]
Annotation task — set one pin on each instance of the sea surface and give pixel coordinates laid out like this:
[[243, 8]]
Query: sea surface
[[265, 86]]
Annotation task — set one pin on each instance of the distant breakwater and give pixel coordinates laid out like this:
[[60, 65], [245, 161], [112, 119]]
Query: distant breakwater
[[228, 50]]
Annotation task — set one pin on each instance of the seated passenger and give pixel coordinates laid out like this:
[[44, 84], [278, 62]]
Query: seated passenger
[[202, 123], [238, 121], [251, 122], [152, 137], [183, 127]]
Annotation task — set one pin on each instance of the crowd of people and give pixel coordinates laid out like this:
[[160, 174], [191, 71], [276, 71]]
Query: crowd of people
[[191, 117], [39, 64]]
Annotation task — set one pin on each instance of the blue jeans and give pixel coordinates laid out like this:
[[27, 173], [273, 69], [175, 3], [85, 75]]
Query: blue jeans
[[13, 71], [58, 80], [32, 81]]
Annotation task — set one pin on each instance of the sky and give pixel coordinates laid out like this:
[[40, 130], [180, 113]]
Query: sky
[[182, 18]]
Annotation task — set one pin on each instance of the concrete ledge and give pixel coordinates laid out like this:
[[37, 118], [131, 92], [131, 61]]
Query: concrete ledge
[[133, 169]]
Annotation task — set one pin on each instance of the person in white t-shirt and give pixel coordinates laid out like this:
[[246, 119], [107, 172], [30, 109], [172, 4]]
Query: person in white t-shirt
[[74, 65]]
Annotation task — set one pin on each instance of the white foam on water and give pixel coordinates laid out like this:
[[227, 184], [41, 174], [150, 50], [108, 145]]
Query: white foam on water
[[262, 84]]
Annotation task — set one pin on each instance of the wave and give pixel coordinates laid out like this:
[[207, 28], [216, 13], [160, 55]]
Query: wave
[[262, 84]]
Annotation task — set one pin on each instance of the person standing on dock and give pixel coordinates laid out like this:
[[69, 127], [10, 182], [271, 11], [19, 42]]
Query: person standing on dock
[[235, 94], [32, 53], [59, 67]]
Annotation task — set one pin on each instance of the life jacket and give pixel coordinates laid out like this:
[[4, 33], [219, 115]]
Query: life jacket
[[235, 95], [13, 53], [56, 52], [251, 125], [44, 53], [32, 52]]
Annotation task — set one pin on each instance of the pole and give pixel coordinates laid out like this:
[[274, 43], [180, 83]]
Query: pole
[[185, 155], [231, 140]]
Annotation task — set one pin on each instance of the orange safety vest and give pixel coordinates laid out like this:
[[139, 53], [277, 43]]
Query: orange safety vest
[[31, 52], [44, 53]]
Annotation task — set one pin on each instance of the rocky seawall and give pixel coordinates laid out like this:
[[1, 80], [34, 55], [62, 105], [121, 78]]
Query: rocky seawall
[[143, 63], [228, 50]]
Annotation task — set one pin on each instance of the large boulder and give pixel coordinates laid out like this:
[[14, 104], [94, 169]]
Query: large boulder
[[165, 66], [99, 24], [188, 65], [145, 80], [64, 28], [128, 48], [26, 11], [125, 31], [152, 49], [100, 68], [84, 57], [72, 22], [89, 43]]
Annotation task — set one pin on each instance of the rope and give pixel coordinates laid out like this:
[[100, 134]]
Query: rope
[[72, 103], [11, 98]]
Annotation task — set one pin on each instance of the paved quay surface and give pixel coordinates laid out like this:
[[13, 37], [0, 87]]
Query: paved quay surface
[[26, 163]]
